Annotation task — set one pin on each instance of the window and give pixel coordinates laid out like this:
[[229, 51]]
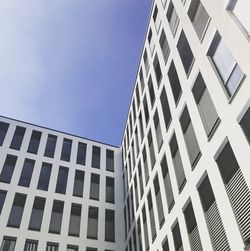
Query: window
[[229, 71], [56, 217], [44, 177], [136, 191], [75, 220], [205, 105], [164, 46], [109, 225], [158, 132], [141, 81], [141, 127], [140, 180], [110, 160], [8, 169], [96, 155], [31, 245], [192, 229], [212, 215], [137, 96], [94, 187], [128, 210], [157, 19], [125, 220], [151, 91], [16, 212], [139, 233], [173, 18], [145, 228], [134, 110], [159, 201], [177, 237], [81, 153], [132, 203], [26, 174], [165, 246], [62, 180], [146, 64], [185, 52], [34, 142], [17, 138], [174, 82], [151, 149], [145, 107], [178, 167], [151, 216], [145, 163], [52, 247], [240, 9], [245, 124], [2, 199], [165, 108], [157, 69], [137, 141], [78, 183], [91, 249], [8, 244], [37, 214], [92, 231], [151, 42], [194, 152], [50, 146], [237, 189], [199, 17], [72, 248], [66, 149], [110, 190], [3, 131]]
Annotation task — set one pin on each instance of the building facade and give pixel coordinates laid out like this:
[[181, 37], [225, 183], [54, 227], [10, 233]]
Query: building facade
[[181, 178]]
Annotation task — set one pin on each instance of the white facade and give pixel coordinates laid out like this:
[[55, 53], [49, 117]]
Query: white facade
[[182, 176]]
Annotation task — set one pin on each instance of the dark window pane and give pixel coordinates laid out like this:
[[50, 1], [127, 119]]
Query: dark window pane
[[62, 180], [110, 190], [75, 220], [3, 131], [94, 187], [52, 247], [66, 149], [165, 108], [164, 46], [81, 153], [151, 216], [8, 168], [110, 160], [92, 231], [109, 225], [157, 69], [44, 177], [50, 146], [96, 156], [145, 227], [151, 91], [145, 108], [190, 217], [2, 199], [159, 205], [177, 236], [79, 183], [245, 124], [26, 174], [31, 245], [165, 246], [37, 214], [56, 217], [17, 138], [34, 142], [8, 244]]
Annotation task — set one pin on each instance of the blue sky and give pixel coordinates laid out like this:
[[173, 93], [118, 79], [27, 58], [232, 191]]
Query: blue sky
[[70, 65]]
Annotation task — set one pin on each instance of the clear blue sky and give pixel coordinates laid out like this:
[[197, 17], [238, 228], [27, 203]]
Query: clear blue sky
[[70, 65]]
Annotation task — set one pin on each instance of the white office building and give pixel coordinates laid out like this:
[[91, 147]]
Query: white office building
[[180, 179]]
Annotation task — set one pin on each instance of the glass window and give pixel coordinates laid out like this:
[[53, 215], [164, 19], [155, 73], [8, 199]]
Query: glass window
[[8, 244], [27, 172], [2, 199], [157, 70], [229, 71], [141, 127], [37, 214], [125, 220], [140, 179], [158, 132], [151, 216], [44, 177], [245, 124], [62, 180], [8, 168], [66, 149], [34, 141], [156, 19], [75, 220], [3, 131], [185, 52], [31, 245], [151, 149], [110, 160], [177, 237], [145, 108], [110, 190], [165, 108], [151, 91], [96, 155], [91, 249], [145, 163], [141, 80], [18, 138], [94, 187], [128, 211], [151, 41], [92, 231], [52, 247], [81, 153], [164, 46], [78, 183], [165, 246], [145, 228], [139, 233], [136, 191], [16, 212], [137, 96], [56, 217], [146, 64], [72, 248], [173, 18], [50, 146], [109, 225]]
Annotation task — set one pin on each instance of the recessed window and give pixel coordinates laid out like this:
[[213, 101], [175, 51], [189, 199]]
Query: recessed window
[[137, 96], [136, 191], [151, 91], [3, 131], [164, 46], [34, 142], [37, 214], [96, 156], [128, 211], [165, 108], [158, 132], [146, 62], [157, 69], [18, 138], [157, 19], [66, 149], [62, 180], [52, 246], [27, 172], [72, 248], [92, 231], [75, 220], [140, 180], [185, 52], [8, 168], [50, 146], [78, 183], [227, 68], [16, 212], [56, 217], [173, 18], [145, 108], [109, 225], [151, 41], [151, 149], [110, 190], [141, 127], [145, 163], [44, 177], [151, 216], [8, 243], [81, 153], [205, 105], [110, 160], [91, 249], [94, 187], [2, 199], [141, 80], [31, 245], [174, 82], [145, 228], [199, 17], [245, 124], [139, 233], [165, 245], [177, 237]]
